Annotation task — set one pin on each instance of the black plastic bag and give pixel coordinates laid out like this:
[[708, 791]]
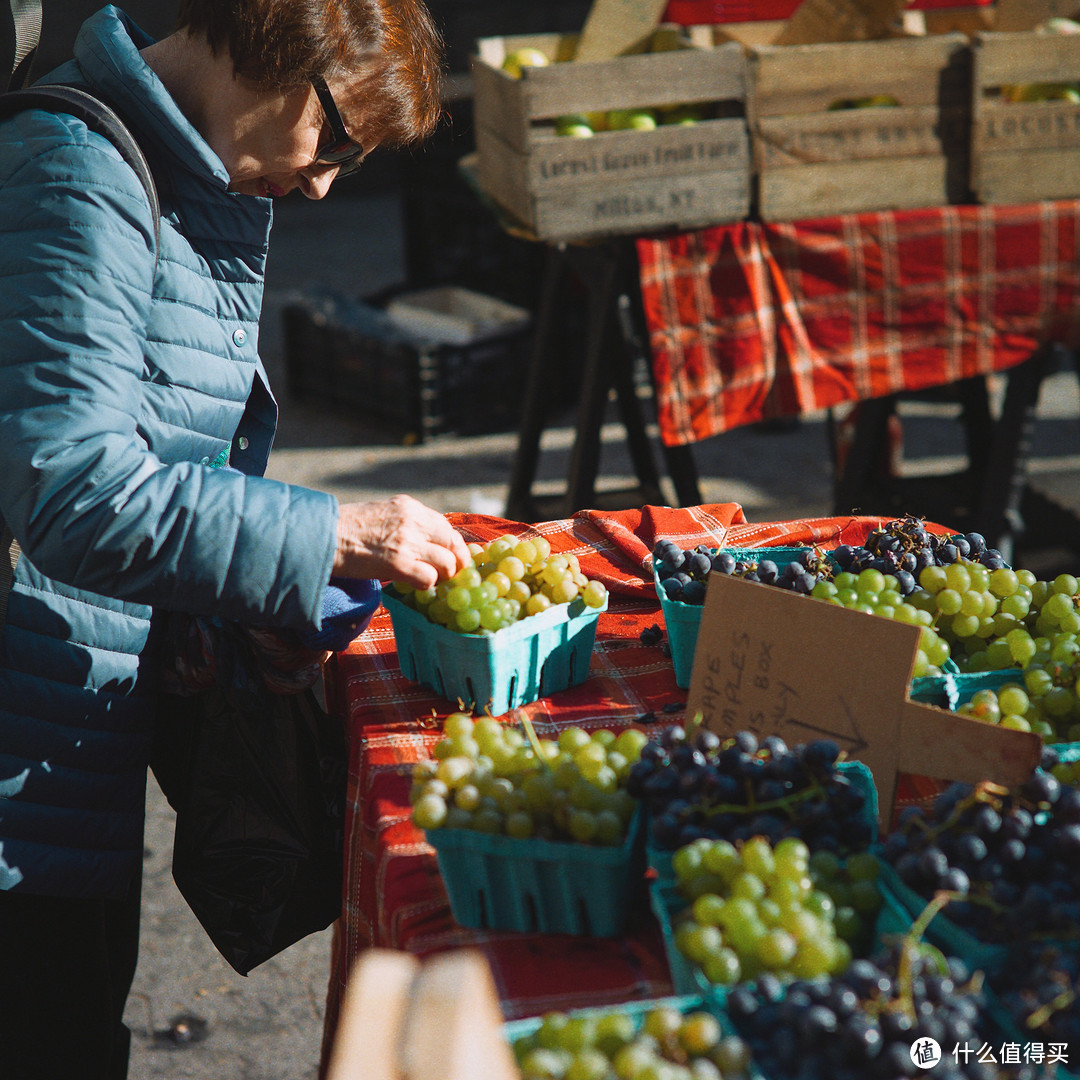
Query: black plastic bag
[[257, 780]]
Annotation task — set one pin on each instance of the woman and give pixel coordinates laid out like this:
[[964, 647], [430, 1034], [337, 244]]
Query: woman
[[124, 380]]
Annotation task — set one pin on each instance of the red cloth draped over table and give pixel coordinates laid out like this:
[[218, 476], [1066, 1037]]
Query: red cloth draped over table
[[394, 896], [756, 320]]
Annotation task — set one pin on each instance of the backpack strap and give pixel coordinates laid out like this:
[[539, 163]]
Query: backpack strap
[[98, 117], [20, 32]]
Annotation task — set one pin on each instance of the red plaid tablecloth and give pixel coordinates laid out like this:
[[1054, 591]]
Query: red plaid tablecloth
[[394, 896], [752, 321]]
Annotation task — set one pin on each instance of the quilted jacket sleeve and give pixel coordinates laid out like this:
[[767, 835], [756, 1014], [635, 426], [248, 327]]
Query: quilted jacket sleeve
[[91, 505]]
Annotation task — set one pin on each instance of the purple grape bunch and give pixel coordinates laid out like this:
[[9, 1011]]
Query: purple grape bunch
[[865, 1023], [683, 574], [1010, 858], [1039, 987], [696, 785], [901, 548], [905, 547]]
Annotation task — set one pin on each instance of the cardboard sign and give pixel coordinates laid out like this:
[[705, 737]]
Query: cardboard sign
[[774, 663], [816, 21], [1027, 14], [615, 27]]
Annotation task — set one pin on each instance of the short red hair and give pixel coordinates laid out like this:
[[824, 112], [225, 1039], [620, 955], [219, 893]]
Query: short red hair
[[392, 46]]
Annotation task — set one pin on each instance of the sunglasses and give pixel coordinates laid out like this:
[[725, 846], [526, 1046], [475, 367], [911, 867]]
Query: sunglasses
[[343, 153]]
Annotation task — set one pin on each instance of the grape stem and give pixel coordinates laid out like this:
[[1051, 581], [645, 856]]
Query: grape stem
[[1041, 1015], [530, 734]]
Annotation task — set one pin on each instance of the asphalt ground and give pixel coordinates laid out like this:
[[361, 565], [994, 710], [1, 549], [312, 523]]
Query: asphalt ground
[[269, 1025]]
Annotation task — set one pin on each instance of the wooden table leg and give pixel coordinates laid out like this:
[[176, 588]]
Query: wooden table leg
[[519, 500], [607, 275], [997, 514], [600, 278], [864, 456], [679, 460]]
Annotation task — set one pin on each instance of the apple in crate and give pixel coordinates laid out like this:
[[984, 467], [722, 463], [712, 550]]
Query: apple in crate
[[523, 58], [576, 125], [631, 120]]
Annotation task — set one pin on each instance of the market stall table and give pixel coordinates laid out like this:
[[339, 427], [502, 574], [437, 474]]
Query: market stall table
[[760, 321], [756, 321], [393, 894]]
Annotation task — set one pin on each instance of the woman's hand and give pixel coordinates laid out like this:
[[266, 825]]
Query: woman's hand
[[398, 539]]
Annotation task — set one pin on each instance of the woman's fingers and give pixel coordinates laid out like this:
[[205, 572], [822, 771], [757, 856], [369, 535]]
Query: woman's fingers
[[398, 539]]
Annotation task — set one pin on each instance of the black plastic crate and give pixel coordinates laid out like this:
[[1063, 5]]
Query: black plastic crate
[[346, 353]]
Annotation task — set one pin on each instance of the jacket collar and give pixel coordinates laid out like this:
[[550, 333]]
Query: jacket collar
[[107, 51]]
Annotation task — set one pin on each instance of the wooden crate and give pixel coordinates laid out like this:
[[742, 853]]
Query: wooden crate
[[563, 187], [811, 160], [1024, 151]]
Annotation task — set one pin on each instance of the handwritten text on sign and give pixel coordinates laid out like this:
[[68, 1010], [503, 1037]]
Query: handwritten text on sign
[[779, 664]]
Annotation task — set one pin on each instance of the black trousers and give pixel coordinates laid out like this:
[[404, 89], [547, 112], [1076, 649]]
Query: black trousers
[[66, 966]]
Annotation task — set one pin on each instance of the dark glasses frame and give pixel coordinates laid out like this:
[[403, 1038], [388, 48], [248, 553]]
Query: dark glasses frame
[[344, 153]]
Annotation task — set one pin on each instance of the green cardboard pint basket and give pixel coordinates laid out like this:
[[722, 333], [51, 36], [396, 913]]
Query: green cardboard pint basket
[[540, 886], [683, 621], [531, 659]]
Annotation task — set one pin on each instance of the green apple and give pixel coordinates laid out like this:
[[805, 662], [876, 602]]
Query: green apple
[[1042, 92], [630, 120], [1058, 25], [575, 125], [682, 115], [523, 58]]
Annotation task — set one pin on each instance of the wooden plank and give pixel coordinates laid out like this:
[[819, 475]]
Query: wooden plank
[[454, 1026], [709, 146], [500, 171], [651, 80], [1027, 14], [840, 20], [749, 34], [367, 1042], [614, 27], [1028, 176], [498, 100], [606, 204], [1007, 59], [1043, 125], [809, 78], [958, 20], [635, 206], [862, 134], [853, 187]]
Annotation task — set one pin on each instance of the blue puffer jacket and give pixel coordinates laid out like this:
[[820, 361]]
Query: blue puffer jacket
[[118, 390]]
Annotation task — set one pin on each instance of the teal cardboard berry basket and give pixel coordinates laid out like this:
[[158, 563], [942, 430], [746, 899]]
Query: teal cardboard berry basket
[[541, 886], [531, 659], [683, 621], [942, 932]]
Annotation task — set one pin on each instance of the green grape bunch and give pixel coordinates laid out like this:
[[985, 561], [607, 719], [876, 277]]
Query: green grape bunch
[[1025, 624], [877, 593], [664, 1043], [492, 777], [760, 908], [509, 579]]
